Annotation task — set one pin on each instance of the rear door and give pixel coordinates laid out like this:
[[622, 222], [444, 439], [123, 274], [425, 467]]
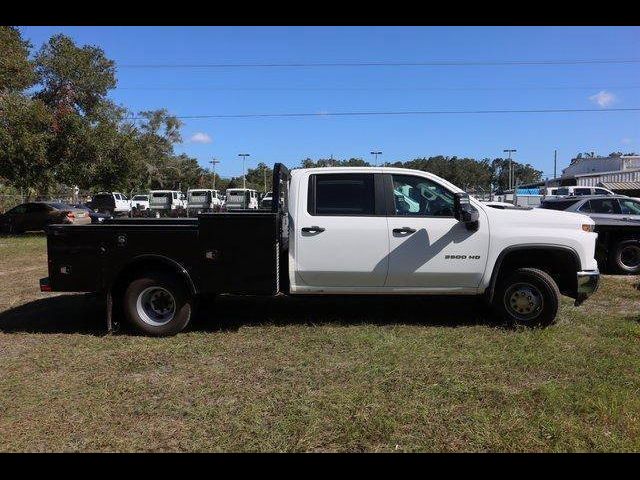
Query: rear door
[[341, 235]]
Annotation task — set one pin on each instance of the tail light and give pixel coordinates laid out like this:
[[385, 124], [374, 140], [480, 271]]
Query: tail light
[[71, 215]]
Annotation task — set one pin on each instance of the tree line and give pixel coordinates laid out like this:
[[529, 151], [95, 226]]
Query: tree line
[[59, 129]]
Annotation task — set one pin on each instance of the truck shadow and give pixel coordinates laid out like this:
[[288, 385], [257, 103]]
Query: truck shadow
[[78, 313], [231, 313], [85, 313]]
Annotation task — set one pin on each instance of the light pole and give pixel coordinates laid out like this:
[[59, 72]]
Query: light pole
[[244, 156], [376, 156], [510, 151], [213, 165]]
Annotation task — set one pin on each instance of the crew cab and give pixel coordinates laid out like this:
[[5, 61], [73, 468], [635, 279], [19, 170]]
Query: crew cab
[[332, 231]]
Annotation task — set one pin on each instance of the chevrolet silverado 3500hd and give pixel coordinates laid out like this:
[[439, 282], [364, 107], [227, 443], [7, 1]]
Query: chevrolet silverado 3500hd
[[332, 231]]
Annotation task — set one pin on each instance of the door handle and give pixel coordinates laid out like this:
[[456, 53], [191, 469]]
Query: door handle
[[313, 229], [404, 231]]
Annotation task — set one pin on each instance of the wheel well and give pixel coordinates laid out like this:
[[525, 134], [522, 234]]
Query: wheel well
[[561, 264], [143, 266]]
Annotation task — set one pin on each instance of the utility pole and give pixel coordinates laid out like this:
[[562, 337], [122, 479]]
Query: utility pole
[[376, 156], [244, 180], [264, 170], [555, 159], [213, 164], [510, 151]]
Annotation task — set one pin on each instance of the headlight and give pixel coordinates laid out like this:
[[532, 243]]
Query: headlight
[[587, 227]]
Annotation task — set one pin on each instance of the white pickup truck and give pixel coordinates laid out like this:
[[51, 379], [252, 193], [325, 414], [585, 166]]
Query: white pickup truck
[[334, 231]]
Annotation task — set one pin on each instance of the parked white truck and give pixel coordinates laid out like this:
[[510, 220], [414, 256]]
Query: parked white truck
[[202, 200], [241, 199], [335, 231], [166, 203]]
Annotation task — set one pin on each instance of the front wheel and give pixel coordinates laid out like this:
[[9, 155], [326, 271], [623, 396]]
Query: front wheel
[[158, 304], [527, 297]]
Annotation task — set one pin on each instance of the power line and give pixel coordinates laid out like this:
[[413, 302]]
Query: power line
[[349, 89], [409, 112], [442, 63]]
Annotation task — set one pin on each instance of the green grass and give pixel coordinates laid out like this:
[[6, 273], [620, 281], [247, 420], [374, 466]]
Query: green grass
[[315, 375]]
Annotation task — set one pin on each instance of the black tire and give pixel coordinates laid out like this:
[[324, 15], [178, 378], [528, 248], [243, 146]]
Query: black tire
[[527, 297], [148, 297], [625, 257]]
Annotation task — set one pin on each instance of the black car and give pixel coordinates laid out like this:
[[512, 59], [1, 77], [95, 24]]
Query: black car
[[96, 217]]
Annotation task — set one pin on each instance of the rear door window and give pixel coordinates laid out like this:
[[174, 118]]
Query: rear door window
[[341, 194]]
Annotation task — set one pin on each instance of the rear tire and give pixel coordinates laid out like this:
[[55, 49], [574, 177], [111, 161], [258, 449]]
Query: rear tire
[[527, 297], [158, 304], [625, 257]]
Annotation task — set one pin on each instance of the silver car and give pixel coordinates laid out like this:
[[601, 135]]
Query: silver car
[[599, 207]]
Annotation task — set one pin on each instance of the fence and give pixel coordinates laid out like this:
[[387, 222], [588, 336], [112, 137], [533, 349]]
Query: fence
[[8, 201]]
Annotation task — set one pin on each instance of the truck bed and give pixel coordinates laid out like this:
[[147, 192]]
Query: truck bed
[[235, 252]]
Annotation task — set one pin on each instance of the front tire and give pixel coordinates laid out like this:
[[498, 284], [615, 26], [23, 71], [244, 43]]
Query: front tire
[[626, 257], [527, 297], [158, 304]]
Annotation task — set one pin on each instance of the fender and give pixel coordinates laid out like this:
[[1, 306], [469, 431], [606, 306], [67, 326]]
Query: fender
[[528, 246]]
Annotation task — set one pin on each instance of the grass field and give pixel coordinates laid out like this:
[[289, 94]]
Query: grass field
[[369, 374]]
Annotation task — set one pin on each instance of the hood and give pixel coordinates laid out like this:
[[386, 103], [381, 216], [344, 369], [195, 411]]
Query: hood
[[539, 216]]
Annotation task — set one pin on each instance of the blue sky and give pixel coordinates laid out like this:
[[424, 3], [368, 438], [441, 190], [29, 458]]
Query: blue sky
[[312, 89]]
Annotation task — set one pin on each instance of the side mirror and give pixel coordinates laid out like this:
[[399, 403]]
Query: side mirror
[[464, 211]]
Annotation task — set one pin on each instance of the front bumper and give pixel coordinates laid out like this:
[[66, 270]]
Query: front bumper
[[588, 282]]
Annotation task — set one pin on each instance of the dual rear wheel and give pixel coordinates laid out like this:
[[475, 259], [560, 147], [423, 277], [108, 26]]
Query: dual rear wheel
[[158, 304]]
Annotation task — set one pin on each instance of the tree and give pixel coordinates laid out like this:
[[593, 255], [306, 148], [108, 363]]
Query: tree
[[25, 132], [73, 78], [16, 70]]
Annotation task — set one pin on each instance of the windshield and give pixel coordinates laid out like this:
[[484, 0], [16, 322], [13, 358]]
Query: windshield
[[140, 197], [160, 197], [562, 191]]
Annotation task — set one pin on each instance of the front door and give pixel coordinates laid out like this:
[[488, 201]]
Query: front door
[[429, 248], [341, 237]]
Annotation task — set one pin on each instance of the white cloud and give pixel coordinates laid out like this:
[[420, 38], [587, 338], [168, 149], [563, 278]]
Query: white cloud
[[200, 137], [603, 98]]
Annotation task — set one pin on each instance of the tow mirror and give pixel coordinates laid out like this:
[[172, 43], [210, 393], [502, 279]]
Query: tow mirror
[[464, 211]]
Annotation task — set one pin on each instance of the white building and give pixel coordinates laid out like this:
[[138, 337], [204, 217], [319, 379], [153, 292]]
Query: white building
[[620, 174]]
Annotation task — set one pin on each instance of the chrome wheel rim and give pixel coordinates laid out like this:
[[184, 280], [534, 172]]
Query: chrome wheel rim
[[630, 256], [156, 306], [523, 301]]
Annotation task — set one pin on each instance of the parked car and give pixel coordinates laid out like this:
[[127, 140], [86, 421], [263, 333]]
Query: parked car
[[166, 203], [347, 230], [96, 217], [200, 200], [37, 215], [111, 203], [140, 203], [241, 199], [577, 191], [617, 222]]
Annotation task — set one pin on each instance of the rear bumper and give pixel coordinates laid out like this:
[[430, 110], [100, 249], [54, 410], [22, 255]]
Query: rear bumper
[[588, 282]]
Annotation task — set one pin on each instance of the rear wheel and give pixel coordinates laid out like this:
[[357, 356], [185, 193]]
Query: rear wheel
[[158, 304], [527, 297], [626, 257]]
